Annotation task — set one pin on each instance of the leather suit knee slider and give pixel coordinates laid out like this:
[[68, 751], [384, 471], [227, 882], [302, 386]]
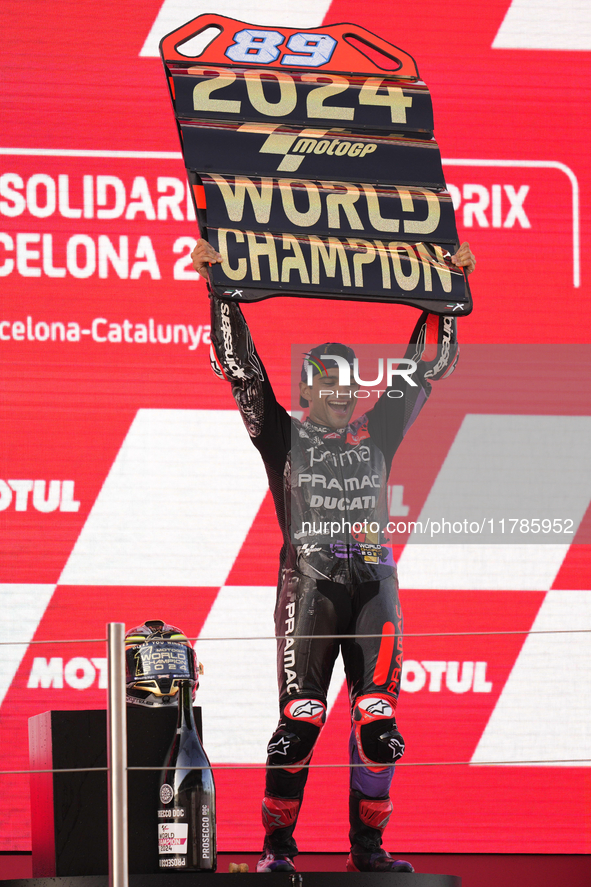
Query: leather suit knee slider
[[376, 735]]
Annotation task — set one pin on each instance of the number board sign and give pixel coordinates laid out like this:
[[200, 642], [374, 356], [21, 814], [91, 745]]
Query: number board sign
[[313, 165]]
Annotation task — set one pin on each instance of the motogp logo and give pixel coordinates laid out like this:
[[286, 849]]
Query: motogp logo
[[307, 141]]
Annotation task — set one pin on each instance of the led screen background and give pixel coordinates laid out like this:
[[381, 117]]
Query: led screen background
[[129, 489]]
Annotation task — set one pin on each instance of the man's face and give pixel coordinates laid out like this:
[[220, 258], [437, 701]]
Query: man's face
[[330, 405]]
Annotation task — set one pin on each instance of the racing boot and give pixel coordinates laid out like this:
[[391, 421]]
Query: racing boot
[[361, 860], [368, 818], [274, 862], [279, 821]]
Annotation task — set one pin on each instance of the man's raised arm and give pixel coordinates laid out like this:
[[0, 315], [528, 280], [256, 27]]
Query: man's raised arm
[[434, 340], [233, 357]]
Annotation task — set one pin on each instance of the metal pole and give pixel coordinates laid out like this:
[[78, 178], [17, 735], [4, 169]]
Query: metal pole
[[117, 756]]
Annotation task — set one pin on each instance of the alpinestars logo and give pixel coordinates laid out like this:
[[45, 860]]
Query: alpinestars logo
[[445, 346], [279, 812], [271, 820], [307, 141], [279, 747], [380, 708], [308, 710], [396, 746], [311, 710], [233, 368]]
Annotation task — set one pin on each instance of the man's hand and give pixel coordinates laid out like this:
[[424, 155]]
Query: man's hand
[[204, 255], [465, 258]]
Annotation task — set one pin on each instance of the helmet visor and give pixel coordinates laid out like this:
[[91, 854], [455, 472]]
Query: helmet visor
[[155, 659]]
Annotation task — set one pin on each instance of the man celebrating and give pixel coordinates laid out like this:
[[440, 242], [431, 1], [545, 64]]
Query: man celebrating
[[337, 587]]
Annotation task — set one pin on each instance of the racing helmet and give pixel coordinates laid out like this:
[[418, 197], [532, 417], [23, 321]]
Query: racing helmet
[[157, 657]]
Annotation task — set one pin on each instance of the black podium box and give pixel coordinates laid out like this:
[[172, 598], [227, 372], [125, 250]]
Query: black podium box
[[69, 810]]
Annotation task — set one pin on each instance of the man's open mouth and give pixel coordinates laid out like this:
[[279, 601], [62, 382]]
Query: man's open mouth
[[340, 407]]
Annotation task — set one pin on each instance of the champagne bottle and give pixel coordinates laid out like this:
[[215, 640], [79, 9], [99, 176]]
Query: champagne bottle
[[186, 810]]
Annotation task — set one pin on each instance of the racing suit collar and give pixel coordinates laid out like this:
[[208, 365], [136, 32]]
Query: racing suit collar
[[324, 429]]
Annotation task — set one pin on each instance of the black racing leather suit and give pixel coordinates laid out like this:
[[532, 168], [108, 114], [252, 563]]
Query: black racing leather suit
[[337, 575]]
